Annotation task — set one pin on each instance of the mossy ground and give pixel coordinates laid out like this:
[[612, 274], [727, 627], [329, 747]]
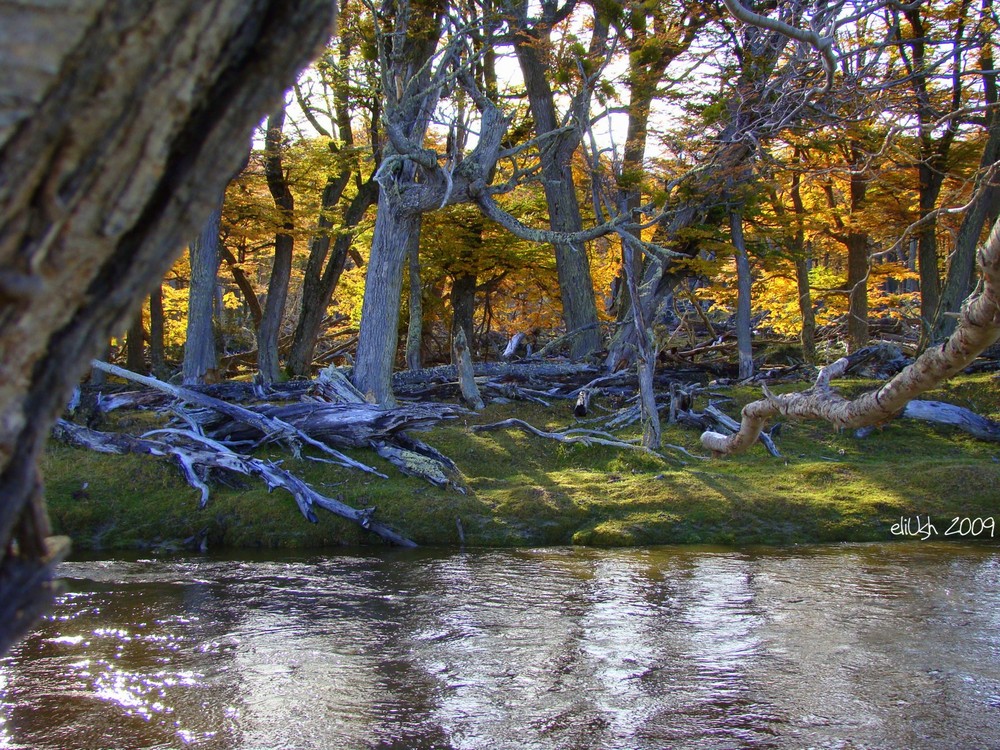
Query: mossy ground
[[524, 490]]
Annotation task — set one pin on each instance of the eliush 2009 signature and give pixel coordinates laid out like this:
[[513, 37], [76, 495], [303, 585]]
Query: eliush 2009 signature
[[924, 528]]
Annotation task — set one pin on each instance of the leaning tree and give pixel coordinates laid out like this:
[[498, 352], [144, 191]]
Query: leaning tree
[[120, 123]]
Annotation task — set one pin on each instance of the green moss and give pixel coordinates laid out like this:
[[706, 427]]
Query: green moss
[[523, 490]]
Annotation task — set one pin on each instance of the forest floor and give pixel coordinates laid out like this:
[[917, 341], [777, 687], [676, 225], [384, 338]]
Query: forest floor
[[525, 490]]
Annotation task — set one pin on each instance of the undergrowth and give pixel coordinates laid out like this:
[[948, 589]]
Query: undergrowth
[[525, 490]]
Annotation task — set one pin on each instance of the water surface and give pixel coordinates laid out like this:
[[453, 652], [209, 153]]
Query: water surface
[[856, 646]]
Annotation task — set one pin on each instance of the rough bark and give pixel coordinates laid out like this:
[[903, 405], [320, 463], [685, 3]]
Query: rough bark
[[377, 341], [645, 352], [415, 324], [857, 289], [410, 98], [119, 124], [978, 328], [576, 287], [463, 307], [268, 366], [466, 375], [200, 364]]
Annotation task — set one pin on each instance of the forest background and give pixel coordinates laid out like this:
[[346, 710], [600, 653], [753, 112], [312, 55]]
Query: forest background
[[853, 181]]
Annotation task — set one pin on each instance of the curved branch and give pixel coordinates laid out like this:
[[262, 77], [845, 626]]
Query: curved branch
[[822, 44]]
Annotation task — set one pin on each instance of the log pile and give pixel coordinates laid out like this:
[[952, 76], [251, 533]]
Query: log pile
[[330, 415]]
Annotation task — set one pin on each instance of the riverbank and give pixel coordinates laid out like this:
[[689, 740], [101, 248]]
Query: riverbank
[[524, 490]]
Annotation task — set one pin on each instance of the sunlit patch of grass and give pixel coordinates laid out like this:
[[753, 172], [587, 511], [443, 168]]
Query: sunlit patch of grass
[[525, 490]]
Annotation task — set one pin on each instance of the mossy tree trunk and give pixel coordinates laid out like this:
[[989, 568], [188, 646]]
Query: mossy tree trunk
[[120, 122]]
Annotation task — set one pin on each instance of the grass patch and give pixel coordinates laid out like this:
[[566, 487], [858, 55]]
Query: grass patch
[[523, 490]]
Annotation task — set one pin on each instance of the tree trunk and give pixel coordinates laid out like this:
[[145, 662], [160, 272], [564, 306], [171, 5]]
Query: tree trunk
[[244, 285], [983, 212], [200, 365], [462, 359], [931, 180], [378, 337], [157, 356], [857, 288], [410, 98], [135, 358], [320, 282], [129, 117], [801, 257], [463, 306], [645, 355], [415, 326], [744, 284], [281, 269], [576, 286]]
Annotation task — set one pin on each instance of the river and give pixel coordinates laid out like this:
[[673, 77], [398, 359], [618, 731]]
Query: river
[[843, 646]]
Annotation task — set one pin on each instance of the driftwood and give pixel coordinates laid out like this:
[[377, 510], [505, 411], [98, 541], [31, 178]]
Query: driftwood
[[385, 434], [725, 423], [347, 425], [350, 423], [513, 344], [938, 412], [193, 452], [269, 427], [581, 436]]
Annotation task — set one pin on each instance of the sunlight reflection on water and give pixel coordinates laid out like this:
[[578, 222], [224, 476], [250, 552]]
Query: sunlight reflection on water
[[834, 647]]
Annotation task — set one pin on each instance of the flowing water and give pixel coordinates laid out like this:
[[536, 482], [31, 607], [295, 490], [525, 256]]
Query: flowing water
[[856, 646]]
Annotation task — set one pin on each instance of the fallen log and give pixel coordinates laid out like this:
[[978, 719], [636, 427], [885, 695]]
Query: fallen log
[[270, 428], [724, 422], [192, 451], [579, 436], [938, 412], [512, 345], [346, 425]]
